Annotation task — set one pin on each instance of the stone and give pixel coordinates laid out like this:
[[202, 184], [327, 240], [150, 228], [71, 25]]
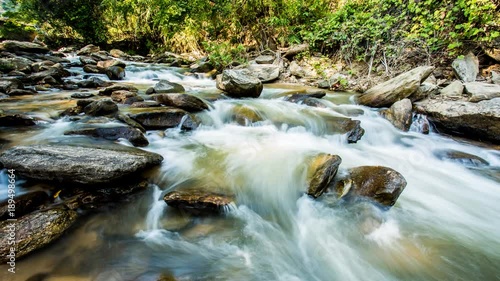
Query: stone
[[82, 95], [129, 121], [245, 115], [466, 68], [165, 87], [381, 184], [198, 202], [264, 59], [454, 90], [56, 72], [122, 96], [345, 126], [161, 119], [466, 159], [108, 63], [265, 72], [100, 56], [479, 120], [15, 63], [79, 164], [395, 89], [89, 68], [425, 90], [300, 98], [41, 66], [22, 47], [479, 91], [115, 72], [400, 114], [186, 102], [118, 87], [295, 50], [118, 53], [25, 204], [101, 108], [93, 82], [21, 92], [87, 50], [321, 171], [202, 67], [146, 104], [87, 60], [134, 136], [6, 85], [495, 77], [239, 83], [15, 120]]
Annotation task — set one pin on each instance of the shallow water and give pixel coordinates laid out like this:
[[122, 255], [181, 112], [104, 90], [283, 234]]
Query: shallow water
[[445, 225]]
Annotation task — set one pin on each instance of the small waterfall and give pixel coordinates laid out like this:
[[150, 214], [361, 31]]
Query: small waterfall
[[156, 210], [420, 124]]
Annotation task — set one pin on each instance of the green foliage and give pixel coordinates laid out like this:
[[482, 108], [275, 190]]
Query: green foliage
[[223, 54]]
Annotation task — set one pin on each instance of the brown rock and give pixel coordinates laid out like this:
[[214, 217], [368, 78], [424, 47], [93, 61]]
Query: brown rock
[[198, 202], [322, 169]]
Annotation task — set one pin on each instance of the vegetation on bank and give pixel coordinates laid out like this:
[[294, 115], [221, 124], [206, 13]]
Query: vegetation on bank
[[354, 30]]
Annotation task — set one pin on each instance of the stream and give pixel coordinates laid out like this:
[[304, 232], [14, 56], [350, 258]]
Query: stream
[[444, 226]]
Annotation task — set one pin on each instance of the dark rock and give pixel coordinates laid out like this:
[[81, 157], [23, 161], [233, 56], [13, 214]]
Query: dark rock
[[342, 125], [129, 121], [56, 71], [87, 60], [15, 63], [82, 95], [115, 72], [299, 98], [198, 202], [7, 85], [466, 159], [146, 104], [321, 171], [202, 67], [49, 80], [15, 120], [239, 83], [400, 114], [22, 47], [109, 90], [122, 96], [134, 136], [101, 108], [42, 65], [24, 204], [87, 50], [166, 118], [21, 92], [165, 87], [183, 101], [93, 82], [382, 184], [101, 56], [78, 164], [89, 68]]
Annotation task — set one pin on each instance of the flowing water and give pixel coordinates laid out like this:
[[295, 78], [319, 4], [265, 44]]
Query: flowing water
[[445, 225]]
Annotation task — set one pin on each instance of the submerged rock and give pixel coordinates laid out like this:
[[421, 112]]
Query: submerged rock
[[466, 159], [134, 136], [301, 98], [25, 203], [245, 115], [165, 118], [34, 231], [239, 83], [186, 102], [321, 171], [125, 97], [395, 89], [198, 202], [400, 114], [382, 184], [78, 164]]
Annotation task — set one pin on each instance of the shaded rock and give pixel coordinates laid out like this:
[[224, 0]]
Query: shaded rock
[[93, 82], [41, 66], [78, 164], [15, 63], [265, 72], [82, 95], [87, 50], [87, 60], [101, 108], [321, 171], [340, 125], [89, 68], [466, 68], [146, 104], [395, 89], [297, 49], [134, 136], [202, 67], [21, 92], [118, 87], [15, 120], [22, 47], [493, 53], [56, 72], [466, 159], [479, 91], [382, 184], [129, 121], [49, 80], [165, 87], [264, 59], [24, 204], [425, 90], [479, 120], [454, 90], [198, 202], [165, 118], [300, 98], [6, 85], [239, 83], [186, 102], [115, 72], [400, 114], [101, 56], [35, 231]]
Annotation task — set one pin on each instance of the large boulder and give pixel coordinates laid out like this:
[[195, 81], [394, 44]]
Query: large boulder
[[198, 202], [382, 184], [239, 83], [78, 164], [134, 136], [479, 91], [101, 108], [15, 63], [186, 102], [165, 118], [479, 120], [395, 89], [466, 68], [34, 231], [400, 114], [22, 47], [265, 72], [87, 50], [165, 87], [320, 173]]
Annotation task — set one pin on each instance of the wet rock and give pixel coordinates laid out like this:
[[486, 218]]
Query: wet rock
[[382, 184], [118, 53], [202, 67], [466, 159], [122, 96], [466, 68], [101, 108], [35, 231], [87, 60], [198, 202], [101, 56], [49, 80], [186, 102], [115, 72], [22, 47], [21, 92], [321, 171], [165, 87], [265, 72], [400, 114], [134, 136], [78, 164], [24, 204], [89, 68], [6, 85], [15, 63], [82, 95], [56, 72], [129, 121], [300, 98], [395, 89], [239, 83], [93, 82], [15, 120], [245, 115], [119, 87], [264, 59], [87, 50], [454, 90], [479, 120], [109, 63], [41, 66], [479, 91], [166, 118], [146, 104], [340, 125]]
